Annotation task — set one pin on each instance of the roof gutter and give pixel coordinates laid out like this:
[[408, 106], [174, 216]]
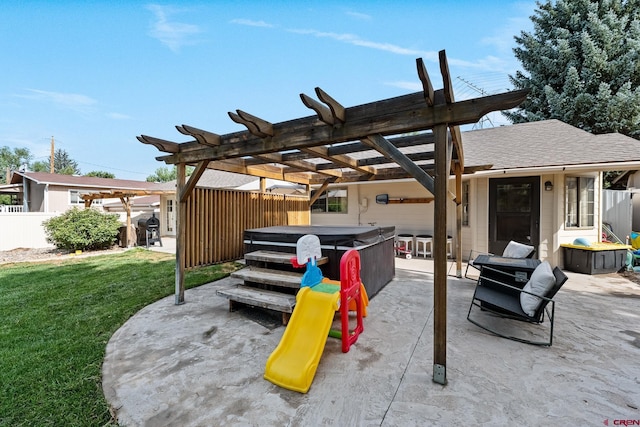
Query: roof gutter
[[558, 169]]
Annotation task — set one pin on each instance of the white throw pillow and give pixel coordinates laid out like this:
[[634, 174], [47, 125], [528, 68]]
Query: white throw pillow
[[517, 250], [541, 280]]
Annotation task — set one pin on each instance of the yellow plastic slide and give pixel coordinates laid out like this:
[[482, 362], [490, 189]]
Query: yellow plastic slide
[[293, 363]]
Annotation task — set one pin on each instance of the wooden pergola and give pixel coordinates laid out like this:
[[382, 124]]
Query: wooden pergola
[[125, 197], [367, 142]]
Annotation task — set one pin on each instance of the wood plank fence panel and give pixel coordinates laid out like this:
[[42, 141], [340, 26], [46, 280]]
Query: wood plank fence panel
[[216, 220]]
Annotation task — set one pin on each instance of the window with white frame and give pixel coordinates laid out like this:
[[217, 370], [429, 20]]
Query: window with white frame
[[75, 198], [332, 201], [579, 201]]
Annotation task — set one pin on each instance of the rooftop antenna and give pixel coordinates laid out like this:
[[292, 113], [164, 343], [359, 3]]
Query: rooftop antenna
[[482, 92]]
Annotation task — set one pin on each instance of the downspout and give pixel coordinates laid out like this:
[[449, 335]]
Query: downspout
[[46, 198], [25, 194]]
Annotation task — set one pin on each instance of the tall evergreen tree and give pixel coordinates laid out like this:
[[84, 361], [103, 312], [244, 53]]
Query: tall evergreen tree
[[63, 164], [582, 65]]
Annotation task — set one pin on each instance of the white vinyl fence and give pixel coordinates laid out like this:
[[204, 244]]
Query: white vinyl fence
[[617, 210], [11, 208], [23, 230]]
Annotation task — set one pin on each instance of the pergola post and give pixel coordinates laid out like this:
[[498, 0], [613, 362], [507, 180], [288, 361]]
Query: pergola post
[[126, 203], [180, 230], [441, 193]]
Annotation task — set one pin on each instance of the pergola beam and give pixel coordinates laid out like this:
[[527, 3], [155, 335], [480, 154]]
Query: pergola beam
[[297, 164], [411, 114], [379, 143], [390, 174], [202, 136], [340, 159], [261, 171], [193, 180]]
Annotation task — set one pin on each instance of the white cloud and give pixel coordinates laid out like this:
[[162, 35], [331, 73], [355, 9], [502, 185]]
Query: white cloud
[[118, 116], [251, 23], [172, 34], [358, 15], [357, 41], [489, 63], [412, 86], [73, 101]]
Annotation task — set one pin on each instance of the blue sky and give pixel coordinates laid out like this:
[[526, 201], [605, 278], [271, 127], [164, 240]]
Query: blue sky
[[96, 74]]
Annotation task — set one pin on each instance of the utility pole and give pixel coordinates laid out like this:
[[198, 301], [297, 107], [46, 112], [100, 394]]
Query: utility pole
[[51, 163]]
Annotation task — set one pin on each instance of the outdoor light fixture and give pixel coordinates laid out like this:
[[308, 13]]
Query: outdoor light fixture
[[382, 199], [548, 186]]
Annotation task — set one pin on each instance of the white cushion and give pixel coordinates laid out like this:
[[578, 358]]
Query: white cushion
[[517, 250], [541, 280]]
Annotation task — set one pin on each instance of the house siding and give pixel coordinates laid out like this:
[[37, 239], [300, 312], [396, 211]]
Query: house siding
[[475, 235], [418, 218], [58, 198], [410, 218], [552, 217], [36, 197]]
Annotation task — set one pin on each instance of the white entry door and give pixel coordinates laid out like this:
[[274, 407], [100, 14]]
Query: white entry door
[[170, 220]]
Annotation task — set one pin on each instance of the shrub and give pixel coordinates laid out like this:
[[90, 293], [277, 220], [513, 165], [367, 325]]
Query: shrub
[[82, 229]]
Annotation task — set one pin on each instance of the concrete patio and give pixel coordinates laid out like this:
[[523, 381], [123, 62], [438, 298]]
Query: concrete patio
[[197, 364]]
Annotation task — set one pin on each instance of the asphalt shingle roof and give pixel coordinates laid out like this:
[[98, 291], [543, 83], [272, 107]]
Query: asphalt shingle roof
[[84, 181], [545, 143]]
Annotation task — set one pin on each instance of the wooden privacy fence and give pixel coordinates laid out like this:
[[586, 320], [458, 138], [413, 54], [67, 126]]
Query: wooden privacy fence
[[216, 220]]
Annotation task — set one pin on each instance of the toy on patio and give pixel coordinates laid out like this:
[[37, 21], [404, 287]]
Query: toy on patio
[[633, 257], [293, 363], [402, 248]]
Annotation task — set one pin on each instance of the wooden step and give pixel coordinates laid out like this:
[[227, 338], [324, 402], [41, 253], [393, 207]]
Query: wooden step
[[277, 257], [267, 276], [255, 297]]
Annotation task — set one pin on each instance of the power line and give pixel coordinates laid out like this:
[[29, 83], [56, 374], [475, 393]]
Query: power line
[[111, 168]]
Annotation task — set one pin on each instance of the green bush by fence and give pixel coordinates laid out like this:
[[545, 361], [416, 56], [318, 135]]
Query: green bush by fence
[[82, 229]]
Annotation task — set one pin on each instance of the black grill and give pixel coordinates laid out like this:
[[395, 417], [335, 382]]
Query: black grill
[[149, 231]]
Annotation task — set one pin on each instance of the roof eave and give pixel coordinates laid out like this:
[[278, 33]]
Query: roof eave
[[585, 167]]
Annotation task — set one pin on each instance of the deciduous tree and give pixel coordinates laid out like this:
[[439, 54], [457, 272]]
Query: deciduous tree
[[166, 174], [12, 159]]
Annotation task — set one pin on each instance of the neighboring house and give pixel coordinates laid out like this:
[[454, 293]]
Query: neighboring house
[[38, 196], [542, 185], [50, 192]]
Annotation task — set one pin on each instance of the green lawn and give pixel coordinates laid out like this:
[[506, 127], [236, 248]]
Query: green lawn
[[56, 319]]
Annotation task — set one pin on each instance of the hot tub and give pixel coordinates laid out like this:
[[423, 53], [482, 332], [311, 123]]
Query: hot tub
[[375, 245]]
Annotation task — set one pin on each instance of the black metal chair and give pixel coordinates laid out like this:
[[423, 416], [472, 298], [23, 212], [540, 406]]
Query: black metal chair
[[501, 298]]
